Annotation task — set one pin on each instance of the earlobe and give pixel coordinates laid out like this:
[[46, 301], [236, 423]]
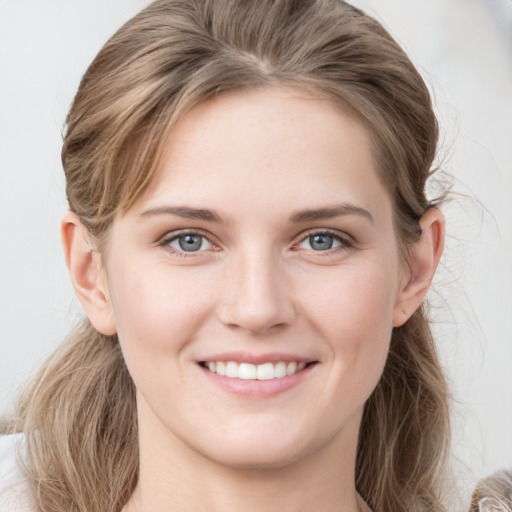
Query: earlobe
[[425, 256], [87, 275]]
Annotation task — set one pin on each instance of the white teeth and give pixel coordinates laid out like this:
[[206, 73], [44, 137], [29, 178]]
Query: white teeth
[[220, 368], [266, 371], [248, 371], [280, 369], [291, 368], [232, 370]]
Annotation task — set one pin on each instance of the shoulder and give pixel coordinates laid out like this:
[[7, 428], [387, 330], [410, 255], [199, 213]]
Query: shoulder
[[15, 492]]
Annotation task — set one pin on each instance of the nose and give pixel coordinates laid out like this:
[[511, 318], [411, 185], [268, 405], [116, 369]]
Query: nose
[[256, 297]]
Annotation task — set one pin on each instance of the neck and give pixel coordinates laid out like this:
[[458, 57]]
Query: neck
[[175, 477], [251, 491]]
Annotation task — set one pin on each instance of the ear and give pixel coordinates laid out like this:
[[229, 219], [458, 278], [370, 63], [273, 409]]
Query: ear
[[425, 255], [87, 274]]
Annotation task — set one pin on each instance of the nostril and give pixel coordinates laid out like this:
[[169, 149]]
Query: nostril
[[255, 299]]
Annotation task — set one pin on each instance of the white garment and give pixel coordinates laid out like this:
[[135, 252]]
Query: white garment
[[15, 492], [492, 505]]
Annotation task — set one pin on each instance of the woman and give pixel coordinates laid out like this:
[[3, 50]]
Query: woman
[[250, 239]]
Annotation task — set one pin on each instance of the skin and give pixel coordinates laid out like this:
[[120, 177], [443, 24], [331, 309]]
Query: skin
[[256, 161]]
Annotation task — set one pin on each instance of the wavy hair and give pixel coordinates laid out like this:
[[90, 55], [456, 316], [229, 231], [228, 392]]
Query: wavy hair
[[78, 414]]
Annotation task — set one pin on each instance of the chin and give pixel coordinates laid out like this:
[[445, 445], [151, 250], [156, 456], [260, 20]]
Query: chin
[[254, 451], [257, 458]]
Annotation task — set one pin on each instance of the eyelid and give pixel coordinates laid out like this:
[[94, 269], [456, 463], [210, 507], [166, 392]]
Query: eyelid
[[165, 240], [346, 240]]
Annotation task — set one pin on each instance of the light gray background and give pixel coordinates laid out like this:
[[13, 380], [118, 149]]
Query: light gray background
[[464, 50]]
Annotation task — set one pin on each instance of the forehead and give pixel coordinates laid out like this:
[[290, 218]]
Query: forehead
[[264, 147]]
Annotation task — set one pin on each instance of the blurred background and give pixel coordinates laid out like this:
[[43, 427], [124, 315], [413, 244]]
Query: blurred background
[[463, 48]]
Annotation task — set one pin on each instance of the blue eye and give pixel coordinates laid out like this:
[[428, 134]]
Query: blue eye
[[322, 242], [190, 242]]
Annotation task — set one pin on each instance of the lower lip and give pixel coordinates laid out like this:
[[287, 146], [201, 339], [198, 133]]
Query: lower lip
[[258, 388]]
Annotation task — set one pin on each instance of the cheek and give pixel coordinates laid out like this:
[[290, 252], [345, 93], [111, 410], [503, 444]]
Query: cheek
[[158, 309], [358, 301], [354, 313]]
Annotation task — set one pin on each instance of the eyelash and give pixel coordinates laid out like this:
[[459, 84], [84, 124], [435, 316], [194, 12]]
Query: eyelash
[[345, 242], [166, 240]]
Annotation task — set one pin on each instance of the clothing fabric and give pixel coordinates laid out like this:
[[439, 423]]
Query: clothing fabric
[[494, 493], [492, 505], [15, 492]]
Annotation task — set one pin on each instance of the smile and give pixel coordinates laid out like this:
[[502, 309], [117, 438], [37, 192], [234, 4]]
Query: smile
[[248, 371]]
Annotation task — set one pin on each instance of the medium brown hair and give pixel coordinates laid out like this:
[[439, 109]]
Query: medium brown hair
[[79, 414]]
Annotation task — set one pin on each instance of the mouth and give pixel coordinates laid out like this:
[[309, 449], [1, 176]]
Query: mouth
[[249, 371]]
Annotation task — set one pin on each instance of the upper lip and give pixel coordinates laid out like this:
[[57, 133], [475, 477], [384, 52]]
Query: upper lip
[[247, 357]]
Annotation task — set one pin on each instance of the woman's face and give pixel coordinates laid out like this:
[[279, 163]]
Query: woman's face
[[254, 286]]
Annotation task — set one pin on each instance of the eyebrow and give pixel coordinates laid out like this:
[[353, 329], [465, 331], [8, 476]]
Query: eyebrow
[[184, 212], [330, 212]]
